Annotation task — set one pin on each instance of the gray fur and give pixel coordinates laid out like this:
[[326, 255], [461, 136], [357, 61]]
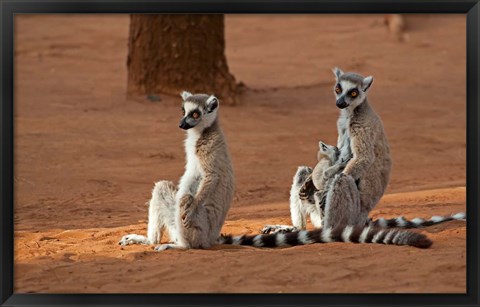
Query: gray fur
[[361, 133], [193, 213]]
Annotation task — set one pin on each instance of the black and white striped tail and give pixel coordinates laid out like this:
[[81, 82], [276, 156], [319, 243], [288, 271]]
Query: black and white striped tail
[[358, 234], [401, 222]]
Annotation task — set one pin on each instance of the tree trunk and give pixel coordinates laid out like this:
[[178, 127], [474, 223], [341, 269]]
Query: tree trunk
[[171, 53]]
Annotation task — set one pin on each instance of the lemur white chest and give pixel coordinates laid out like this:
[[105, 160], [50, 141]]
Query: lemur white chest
[[193, 170]]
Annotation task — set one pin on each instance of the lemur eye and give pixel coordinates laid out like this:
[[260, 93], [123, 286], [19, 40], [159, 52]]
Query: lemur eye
[[195, 115], [183, 111], [354, 94], [338, 90]]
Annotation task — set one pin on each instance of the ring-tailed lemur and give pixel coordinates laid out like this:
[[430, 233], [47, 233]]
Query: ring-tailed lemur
[[360, 132], [194, 213]]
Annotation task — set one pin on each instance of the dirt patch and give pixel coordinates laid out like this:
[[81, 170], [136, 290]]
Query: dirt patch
[[86, 158]]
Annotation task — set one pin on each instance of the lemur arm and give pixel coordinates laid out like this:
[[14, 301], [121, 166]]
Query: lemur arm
[[341, 138], [207, 187], [362, 146], [334, 169], [190, 203]]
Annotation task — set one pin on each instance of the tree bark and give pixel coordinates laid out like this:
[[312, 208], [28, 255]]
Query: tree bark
[[171, 53]]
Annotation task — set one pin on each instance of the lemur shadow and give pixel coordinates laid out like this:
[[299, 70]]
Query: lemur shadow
[[230, 248]]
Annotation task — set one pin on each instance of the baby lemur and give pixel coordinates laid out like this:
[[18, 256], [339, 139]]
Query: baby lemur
[[329, 164], [311, 186], [194, 213]]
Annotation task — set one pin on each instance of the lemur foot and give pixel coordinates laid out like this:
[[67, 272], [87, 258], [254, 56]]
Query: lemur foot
[[278, 229], [164, 247], [133, 239]]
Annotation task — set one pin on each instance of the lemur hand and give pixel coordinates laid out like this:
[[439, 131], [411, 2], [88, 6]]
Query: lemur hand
[[346, 172], [330, 172], [187, 209]]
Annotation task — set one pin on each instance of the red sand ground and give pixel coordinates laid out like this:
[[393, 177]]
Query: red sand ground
[[86, 158]]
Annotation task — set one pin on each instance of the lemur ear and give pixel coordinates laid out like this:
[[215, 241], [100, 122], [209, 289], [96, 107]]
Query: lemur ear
[[337, 72], [322, 145], [185, 95], [366, 83], [212, 103]]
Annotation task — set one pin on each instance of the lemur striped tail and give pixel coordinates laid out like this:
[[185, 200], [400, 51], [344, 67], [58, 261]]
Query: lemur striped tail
[[358, 234], [401, 222]]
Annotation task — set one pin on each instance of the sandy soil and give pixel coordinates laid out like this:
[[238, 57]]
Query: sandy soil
[[86, 158]]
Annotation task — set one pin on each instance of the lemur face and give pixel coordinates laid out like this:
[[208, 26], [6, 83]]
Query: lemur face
[[350, 88], [198, 110], [329, 151]]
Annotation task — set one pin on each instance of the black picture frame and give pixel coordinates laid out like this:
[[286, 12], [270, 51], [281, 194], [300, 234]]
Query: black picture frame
[[10, 7]]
